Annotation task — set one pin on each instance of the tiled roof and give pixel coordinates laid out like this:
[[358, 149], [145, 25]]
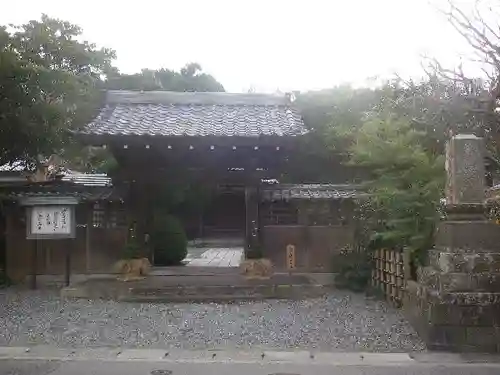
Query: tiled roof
[[60, 189], [84, 186], [308, 191], [88, 179], [67, 175], [84, 195], [196, 114]]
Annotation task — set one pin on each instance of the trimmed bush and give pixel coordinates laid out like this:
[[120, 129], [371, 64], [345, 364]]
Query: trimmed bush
[[254, 253], [132, 250], [169, 241], [353, 269]]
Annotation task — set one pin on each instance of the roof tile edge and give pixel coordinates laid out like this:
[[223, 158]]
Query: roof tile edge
[[195, 98]]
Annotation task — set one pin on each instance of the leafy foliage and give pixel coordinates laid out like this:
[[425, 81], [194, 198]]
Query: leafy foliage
[[168, 240], [50, 84], [132, 249], [395, 135], [89, 159], [404, 190], [440, 107], [353, 270], [190, 78], [255, 252], [325, 113], [407, 181], [435, 105]]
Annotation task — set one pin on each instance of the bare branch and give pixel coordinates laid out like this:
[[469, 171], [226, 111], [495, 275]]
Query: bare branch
[[485, 24], [477, 39]]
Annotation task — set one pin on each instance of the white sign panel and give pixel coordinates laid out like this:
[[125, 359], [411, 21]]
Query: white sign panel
[[51, 220]]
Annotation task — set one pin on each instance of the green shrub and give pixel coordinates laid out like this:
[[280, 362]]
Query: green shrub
[[132, 250], [254, 253], [168, 240], [353, 270]]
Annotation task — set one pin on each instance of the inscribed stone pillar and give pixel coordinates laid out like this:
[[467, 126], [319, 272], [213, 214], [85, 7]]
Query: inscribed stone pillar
[[455, 305], [465, 170]]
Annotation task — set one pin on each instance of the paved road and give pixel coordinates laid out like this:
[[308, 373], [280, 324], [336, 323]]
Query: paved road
[[44, 367]]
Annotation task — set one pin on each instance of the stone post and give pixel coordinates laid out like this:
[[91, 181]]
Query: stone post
[[455, 305], [465, 170]]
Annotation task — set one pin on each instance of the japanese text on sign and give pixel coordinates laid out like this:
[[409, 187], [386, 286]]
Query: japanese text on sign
[[51, 220], [290, 256]]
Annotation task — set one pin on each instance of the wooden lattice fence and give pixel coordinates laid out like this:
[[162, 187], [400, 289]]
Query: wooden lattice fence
[[388, 274]]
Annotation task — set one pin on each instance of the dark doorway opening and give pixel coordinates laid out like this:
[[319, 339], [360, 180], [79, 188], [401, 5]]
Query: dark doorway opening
[[225, 215]]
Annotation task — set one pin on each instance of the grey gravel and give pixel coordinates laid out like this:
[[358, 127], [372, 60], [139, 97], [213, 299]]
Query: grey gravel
[[342, 321]]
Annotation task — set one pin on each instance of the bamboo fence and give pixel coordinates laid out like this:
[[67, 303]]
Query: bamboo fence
[[388, 275]]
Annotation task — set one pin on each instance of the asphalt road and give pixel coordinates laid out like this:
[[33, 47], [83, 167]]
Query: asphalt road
[[89, 367]]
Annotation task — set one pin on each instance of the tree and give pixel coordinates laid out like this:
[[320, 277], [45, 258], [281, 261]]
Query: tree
[[49, 85], [435, 105], [395, 135], [481, 30], [438, 106], [407, 181], [329, 115], [190, 78]]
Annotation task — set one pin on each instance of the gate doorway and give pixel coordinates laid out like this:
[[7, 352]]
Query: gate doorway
[[221, 238], [224, 217]]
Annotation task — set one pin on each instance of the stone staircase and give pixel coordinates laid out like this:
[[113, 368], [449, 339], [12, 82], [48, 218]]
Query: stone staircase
[[198, 288]]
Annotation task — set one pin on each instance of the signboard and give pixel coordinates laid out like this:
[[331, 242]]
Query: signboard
[[290, 257], [49, 218], [50, 222]]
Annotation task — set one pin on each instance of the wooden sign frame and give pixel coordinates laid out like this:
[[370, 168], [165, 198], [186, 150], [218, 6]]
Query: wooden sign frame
[[31, 203]]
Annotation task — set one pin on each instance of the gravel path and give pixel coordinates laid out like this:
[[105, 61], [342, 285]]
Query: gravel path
[[342, 321]]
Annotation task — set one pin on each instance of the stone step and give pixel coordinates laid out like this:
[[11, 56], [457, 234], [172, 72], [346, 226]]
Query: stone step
[[198, 288], [224, 293], [194, 271]]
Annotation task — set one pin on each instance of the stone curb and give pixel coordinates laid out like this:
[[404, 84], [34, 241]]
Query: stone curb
[[203, 356], [41, 352]]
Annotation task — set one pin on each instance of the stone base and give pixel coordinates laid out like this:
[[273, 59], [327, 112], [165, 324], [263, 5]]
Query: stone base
[[457, 321]]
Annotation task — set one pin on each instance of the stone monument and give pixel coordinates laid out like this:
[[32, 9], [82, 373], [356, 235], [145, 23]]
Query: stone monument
[[455, 303]]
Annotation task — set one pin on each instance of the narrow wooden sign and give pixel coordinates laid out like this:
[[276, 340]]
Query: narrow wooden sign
[[290, 257]]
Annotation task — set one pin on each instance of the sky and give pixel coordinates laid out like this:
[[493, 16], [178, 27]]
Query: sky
[[264, 45]]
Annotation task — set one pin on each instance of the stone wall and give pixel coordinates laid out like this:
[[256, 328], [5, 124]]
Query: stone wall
[[459, 321]]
